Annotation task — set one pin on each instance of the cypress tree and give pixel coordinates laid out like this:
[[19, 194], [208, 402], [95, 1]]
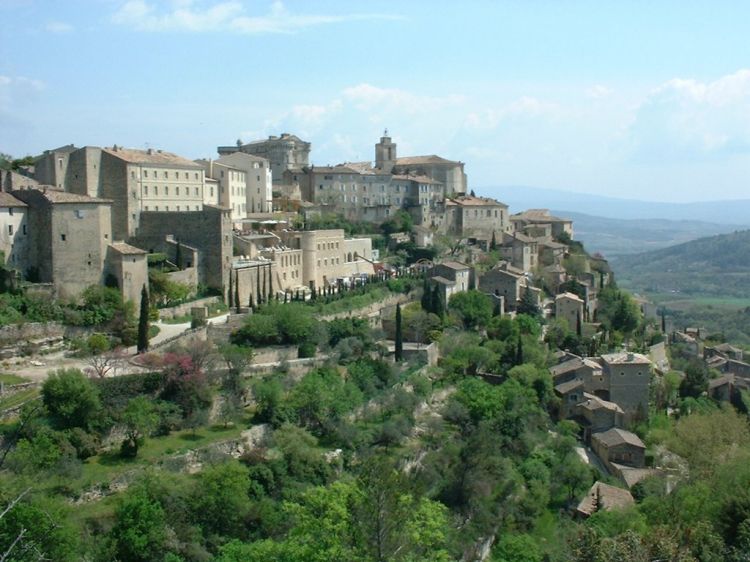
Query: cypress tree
[[143, 322], [439, 303], [270, 283], [263, 287], [399, 354], [230, 293], [497, 310], [426, 300], [519, 351], [579, 324], [237, 291], [258, 293], [178, 256], [663, 321], [493, 242], [286, 296]]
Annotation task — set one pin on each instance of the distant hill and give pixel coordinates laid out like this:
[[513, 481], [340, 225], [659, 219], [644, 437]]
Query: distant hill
[[521, 197], [614, 237], [717, 266]]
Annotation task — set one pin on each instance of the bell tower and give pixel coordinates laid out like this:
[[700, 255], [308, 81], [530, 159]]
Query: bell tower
[[385, 153]]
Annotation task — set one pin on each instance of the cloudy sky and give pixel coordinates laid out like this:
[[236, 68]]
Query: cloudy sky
[[636, 99]]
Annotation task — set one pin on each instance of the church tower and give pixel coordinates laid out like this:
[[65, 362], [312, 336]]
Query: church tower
[[385, 153]]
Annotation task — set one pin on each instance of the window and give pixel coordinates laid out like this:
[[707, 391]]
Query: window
[[156, 209], [145, 190], [156, 190], [145, 208], [177, 190], [187, 176], [145, 173], [196, 175], [10, 229], [60, 163], [212, 191], [79, 213], [221, 174], [10, 210], [132, 174], [196, 192], [166, 175], [24, 230], [178, 208], [295, 177], [167, 209], [106, 236], [166, 190], [63, 237]]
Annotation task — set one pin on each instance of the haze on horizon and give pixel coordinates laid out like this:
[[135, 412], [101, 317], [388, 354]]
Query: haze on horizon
[[634, 100]]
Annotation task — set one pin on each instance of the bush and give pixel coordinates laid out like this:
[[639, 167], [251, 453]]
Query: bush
[[306, 349]]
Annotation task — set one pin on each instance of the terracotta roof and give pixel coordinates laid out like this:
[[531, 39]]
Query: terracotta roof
[[593, 402], [608, 497], [443, 280], [617, 436], [427, 159], [155, 157], [570, 386], [126, 249], [454, 265], [7, 200], [469, 201], [571, 296], [240, 156], [626, 358], [57, 196]]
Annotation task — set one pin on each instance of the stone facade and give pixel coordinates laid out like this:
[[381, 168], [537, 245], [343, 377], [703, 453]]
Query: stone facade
[[69, 235], [258, 177], [232, 186], [629, 377], [569, 309], [209, 231], [283, 152], [129, 267], [618, 446], [14, 233]]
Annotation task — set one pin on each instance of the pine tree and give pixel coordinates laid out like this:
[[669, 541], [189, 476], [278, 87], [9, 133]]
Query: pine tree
[[399, 355], [143, 322]]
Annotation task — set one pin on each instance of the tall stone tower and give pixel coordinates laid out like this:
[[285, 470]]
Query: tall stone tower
[[385, 153]]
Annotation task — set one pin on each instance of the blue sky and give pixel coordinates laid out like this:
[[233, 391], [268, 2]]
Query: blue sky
[[647, 100]]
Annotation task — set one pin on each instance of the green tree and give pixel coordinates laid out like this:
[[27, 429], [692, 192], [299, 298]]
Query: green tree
[[140, 530], [528, 304], [221, 500], [399, 353], [70, 398], [140, 419], [516, 548], [473, 307], [143, 325], [695, 382]]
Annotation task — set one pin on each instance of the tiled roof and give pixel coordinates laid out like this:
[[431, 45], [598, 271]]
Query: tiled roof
[[566, 367], [155, 157], [564, 388], [7, 200], [427, 159], [442, 280], [126, 249], [57, 196], [235, 156], [455, 265], [617, 436], [608, 497], [626, 358], [470, 201], [570, 296], [593, 402]]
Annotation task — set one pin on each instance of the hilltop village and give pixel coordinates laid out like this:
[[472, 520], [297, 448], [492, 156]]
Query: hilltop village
[[359, 344]]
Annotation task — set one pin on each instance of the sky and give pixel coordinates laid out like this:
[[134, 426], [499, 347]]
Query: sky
[[638, 99]]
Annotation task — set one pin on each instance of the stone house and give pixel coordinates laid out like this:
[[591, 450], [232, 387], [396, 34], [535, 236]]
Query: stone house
[[68, 239], [522, 251], [619, 447], [603, 497], [14, 232], [258, 179], [129, 267], [508, 282], [232, 184], [629, 378], [537, 217], [569, 309], [283, 152], [596, 415], [570, 394]]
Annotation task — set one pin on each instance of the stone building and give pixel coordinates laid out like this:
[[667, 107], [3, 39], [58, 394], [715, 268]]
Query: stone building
[[508, 282], [522, 251], [68, 239], [476, 217], [597, 415], [51, 168], [258, 177], [209, 231], [629, 377], [569, 309], [232, 184], [14, 232], [128, 265], [619, 447], [540, 218], [283, 152], [452, 277]]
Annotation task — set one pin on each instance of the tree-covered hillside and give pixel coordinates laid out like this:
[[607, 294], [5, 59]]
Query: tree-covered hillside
[[714, 266]]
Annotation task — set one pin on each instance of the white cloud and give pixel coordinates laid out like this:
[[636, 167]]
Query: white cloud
[[599, 91], [687, 118], [367, 97], [17, 90], [229, 15], [58, 27], [523, 107]]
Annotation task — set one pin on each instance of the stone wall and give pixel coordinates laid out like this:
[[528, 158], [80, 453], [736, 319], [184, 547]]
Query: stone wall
[[183, 309], [20, 339]]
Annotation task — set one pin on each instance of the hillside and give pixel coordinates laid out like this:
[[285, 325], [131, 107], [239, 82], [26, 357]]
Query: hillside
[[520, 197], [614, 237], [717, 266]]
